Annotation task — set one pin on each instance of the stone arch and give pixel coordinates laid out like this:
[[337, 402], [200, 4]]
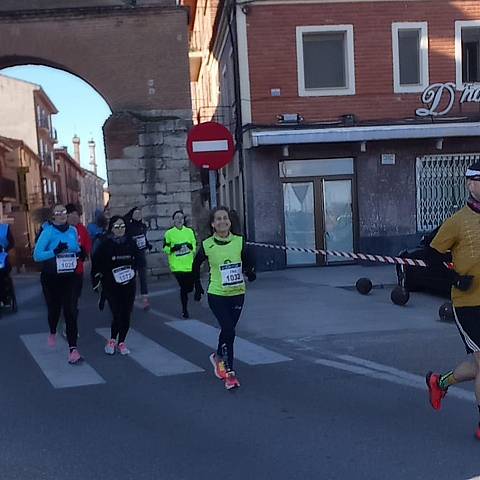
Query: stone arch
[[136, 58]]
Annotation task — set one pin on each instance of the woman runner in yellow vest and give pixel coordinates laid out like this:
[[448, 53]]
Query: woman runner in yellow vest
[[228, 261], [180, 245]]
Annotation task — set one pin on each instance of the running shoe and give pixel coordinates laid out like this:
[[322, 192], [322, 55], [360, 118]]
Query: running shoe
[[185, 314], [477, 433], [435, 393], [74, 356], [218, 364], [231, 381], [122, 348], [110, 347], [52, 340]]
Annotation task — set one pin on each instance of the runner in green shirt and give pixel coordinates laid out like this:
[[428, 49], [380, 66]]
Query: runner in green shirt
[[180, 245], [228, 261]]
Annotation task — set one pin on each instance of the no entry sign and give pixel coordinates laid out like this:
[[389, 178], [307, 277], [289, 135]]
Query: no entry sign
[[210, 145]]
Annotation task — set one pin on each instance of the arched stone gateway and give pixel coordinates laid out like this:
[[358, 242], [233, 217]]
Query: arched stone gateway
[[135, 54]]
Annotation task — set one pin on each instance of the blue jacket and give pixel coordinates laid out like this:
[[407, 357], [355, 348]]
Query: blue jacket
[[49, 239]]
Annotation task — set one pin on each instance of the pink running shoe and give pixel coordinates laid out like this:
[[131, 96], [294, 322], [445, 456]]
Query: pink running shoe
[[231, 381], [146, 304], [122, 348], [218, 364], [74, 356], [52, 340], [110, 347]]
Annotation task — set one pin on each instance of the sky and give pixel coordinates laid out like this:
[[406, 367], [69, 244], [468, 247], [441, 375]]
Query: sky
[[82, 111]]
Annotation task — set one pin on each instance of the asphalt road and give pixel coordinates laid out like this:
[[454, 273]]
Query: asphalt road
[[348, 404]]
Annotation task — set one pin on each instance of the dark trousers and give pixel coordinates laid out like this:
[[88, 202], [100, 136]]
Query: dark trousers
[[58, 291], [227, 311], [77, 291], [185, 282], [120, 298]]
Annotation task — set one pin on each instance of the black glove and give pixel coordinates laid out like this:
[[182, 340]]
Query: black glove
[[251, 276], [149, 246], [175, 248], [61, 247], [189, 245], [97, 282], [462, 282], [198, 291]]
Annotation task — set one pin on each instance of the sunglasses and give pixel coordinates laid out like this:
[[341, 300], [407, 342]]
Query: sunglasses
[[119, 227], [60, 212]]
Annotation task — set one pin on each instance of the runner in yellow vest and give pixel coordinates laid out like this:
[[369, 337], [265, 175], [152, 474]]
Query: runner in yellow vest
[[228, 261], [180, 245]]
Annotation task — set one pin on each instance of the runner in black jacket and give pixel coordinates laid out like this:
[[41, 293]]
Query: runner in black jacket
[[137, 231], [114, 267]]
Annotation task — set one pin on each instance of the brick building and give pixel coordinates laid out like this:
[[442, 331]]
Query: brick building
[[354, 120], [70, 177]]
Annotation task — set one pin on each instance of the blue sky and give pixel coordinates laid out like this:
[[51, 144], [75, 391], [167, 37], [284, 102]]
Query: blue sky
[[82, 110]]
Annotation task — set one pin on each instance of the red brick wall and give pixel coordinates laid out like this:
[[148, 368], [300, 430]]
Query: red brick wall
[[273, 58]]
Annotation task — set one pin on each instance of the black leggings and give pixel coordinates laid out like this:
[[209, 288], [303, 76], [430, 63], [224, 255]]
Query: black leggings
[[227, 311], [59, 292], [185, 281], [120, 298]]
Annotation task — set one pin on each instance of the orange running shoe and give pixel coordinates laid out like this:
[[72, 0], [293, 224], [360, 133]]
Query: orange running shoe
[[218, 364], [435, 393], [231, 381]]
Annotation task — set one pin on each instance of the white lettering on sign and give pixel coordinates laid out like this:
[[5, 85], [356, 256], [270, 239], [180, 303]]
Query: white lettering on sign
[[433, 97], [209, 146], [440, 94]]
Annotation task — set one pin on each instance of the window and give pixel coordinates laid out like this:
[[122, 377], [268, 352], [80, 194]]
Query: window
[[467, 52], [440, 187], [410, 57], [325, 60]]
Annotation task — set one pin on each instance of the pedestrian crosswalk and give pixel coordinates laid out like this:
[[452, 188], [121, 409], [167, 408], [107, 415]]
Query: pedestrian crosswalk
[[245, 351], [146, 352]]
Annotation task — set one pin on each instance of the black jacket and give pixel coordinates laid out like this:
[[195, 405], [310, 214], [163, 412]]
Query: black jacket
[[111, 254]]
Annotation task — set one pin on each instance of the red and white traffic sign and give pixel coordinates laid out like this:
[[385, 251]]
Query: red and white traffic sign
[[210, 145]]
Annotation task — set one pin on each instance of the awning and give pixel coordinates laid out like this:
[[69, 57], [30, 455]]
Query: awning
[[283, 136]]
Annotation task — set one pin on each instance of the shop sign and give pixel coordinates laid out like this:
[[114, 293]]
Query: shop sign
[[440, 98]]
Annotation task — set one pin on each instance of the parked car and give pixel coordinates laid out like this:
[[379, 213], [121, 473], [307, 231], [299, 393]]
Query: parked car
[[436, 279]]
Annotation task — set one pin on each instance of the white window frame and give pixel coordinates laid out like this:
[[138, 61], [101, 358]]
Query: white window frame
[[424, 71], [349, 63], [459, 24]]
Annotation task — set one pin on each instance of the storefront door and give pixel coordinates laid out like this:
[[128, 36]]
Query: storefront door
[[318, 210]]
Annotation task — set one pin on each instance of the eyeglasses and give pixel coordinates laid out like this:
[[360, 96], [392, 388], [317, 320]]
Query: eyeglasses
[[119, 227], [60, 212]]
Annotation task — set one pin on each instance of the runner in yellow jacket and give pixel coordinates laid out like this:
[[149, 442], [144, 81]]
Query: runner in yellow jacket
[[180, 245]]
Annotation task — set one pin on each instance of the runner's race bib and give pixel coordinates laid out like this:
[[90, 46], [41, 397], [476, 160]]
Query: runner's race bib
[[141, 242], [183, 251], [123, 275], [66, 262], [3, 260], [231, 275]]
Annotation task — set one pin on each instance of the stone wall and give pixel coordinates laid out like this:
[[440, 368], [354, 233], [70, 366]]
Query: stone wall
[[148, 167]]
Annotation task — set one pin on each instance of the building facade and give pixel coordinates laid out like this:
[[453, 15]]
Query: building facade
[[92, 195], [354, 120], [20, 195], [26, 113], [70, 177]]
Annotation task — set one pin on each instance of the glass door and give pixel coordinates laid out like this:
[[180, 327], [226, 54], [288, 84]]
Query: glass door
[[338, 221], [299, 213]]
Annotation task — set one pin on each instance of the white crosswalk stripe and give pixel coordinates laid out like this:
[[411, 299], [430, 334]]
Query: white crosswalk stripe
[[245, 351], [152, 356], [54, 365]]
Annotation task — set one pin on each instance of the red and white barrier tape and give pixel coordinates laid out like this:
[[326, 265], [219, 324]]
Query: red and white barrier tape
[[356, 256]]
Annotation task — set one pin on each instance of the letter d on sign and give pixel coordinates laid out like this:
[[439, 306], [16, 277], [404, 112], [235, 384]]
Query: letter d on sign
[[433, 96]]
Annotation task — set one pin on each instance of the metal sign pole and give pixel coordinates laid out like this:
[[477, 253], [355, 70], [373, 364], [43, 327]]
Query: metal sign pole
[[212, 177]]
